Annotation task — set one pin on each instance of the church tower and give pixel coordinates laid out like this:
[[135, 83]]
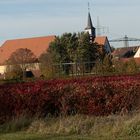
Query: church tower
[[90, 29]]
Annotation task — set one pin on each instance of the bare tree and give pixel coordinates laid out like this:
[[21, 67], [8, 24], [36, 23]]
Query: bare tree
[[23, 58]]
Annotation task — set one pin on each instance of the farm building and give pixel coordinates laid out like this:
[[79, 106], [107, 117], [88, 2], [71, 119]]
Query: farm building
[[39, 45]]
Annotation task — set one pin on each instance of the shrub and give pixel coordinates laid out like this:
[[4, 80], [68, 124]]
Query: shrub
[[89, 95]]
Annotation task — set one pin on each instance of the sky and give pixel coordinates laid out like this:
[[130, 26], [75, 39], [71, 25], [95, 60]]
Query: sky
[[33, 18]]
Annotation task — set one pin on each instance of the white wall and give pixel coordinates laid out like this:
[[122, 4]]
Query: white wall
[[137, 55], [88, 31], [2, 69]]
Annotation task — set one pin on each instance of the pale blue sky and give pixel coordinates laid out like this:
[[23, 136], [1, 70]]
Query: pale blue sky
[[31, 18]]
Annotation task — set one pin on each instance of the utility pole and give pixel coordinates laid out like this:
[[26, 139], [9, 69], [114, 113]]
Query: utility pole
[[126, 41], [98, 27], [101, 29], [88, 7]]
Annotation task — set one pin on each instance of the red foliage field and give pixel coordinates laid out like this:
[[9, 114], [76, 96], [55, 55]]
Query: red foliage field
[[87, 95]]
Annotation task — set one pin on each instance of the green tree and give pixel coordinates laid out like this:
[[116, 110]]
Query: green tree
[[104, 66], [86, 51], [63, 47], [75, 48]]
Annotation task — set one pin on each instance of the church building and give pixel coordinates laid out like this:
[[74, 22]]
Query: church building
[[100, 40], [39, 45]]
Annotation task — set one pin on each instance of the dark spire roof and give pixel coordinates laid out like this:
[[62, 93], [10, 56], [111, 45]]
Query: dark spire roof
[[90, 29], [89, 24]]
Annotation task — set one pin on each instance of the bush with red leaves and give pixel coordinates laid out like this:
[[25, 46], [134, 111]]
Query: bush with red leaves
[[87, 95]]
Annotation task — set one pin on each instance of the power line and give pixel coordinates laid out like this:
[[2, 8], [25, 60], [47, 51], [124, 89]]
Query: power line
[[125, 40]]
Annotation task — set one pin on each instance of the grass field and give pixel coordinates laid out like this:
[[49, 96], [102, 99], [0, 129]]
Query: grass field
[[25, 136], [78, 127]]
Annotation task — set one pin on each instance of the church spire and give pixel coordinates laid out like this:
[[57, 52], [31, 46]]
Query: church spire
[[90, 29], [89, 23]]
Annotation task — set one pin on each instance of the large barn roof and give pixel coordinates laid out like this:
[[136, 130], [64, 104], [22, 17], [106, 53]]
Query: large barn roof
[[37, 45]]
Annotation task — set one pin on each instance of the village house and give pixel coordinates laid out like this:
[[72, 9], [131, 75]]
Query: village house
[[39, 45], [125, 52]]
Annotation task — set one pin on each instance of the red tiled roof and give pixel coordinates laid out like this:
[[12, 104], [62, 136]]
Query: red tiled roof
[[120, 52], [37, 45], [100, 40]]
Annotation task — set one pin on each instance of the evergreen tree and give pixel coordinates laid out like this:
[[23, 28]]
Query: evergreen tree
[[75, 48]]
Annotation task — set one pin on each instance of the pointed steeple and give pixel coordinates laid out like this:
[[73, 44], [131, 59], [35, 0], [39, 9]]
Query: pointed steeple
[[90, 28], [89, 23]]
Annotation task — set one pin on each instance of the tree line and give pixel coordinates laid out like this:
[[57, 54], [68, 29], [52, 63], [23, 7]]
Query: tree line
[[68, 48], [71, 48]]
